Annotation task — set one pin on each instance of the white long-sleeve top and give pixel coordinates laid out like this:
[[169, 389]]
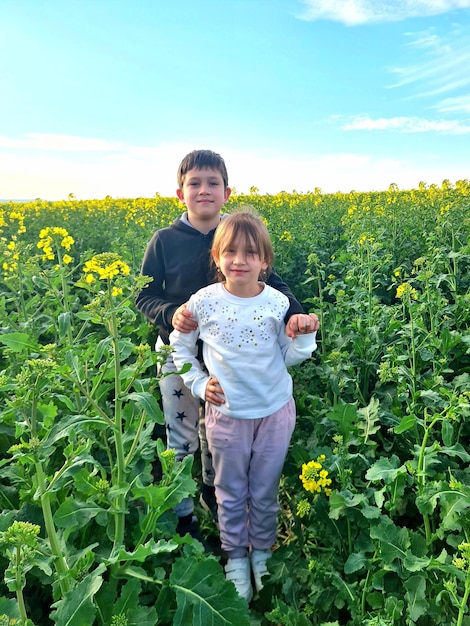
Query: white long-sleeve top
[[245, 347]]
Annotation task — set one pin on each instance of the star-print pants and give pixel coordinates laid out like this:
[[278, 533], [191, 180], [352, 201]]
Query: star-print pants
[[185, 426]]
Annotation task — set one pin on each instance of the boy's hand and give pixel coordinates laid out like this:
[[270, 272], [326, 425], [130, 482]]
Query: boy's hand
[[301, 324], [182, 320], [214, 393]]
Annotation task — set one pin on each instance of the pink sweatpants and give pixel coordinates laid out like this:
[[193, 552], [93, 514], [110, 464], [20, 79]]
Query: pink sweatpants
[[248, 456]]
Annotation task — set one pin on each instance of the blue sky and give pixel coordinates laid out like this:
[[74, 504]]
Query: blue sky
[[105, 97]]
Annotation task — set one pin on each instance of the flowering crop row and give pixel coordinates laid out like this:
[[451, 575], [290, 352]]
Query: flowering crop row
[[375, 498]]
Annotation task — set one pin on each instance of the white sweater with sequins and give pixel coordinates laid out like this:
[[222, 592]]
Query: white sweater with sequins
[[245, 347]]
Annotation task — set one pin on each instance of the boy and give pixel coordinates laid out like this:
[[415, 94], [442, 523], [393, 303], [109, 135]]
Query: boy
[[178, 260]]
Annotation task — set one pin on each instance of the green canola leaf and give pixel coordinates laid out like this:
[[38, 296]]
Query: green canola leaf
[[415, 595], [9, 607], [75, 514], [356, 562], [385, 469], [370, 423], [65, 323], [204, 597], [340, 501], [167, 497], [394, 542], [143, 616], [415, 563], [18, 342], [144, 551], [456, 451], [128, 605], [453, 505], [406, 423], [76, 608], [454, 508], [345, 415], [148, 403]]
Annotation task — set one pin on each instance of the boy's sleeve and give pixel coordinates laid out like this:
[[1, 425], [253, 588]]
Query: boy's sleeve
[[150, 300], [294, 305]]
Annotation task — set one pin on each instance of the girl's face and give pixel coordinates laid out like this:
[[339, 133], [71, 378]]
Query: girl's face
[[241, 265]]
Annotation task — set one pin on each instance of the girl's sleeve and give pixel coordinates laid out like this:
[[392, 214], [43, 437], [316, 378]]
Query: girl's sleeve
[[185, 352], [299, 348]]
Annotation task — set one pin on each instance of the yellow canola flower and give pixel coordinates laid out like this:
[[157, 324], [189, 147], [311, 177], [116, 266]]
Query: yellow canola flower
[[406, 290], [105, 266], [366, 239], [314, 478], [54, 235]]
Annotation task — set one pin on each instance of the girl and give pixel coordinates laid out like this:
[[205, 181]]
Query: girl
[[250, 411]]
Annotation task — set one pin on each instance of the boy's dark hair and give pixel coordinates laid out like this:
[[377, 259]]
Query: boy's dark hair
[[202, 159]]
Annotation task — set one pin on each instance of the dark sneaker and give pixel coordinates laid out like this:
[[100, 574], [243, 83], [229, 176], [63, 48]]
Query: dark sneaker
[[189, 525], [208, 502]]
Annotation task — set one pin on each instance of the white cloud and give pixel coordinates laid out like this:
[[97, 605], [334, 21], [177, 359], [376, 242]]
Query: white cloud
[[355, 12], [407, 125], [61, 143], [42, 168], [139, 171], [461, 104], [443, 68]]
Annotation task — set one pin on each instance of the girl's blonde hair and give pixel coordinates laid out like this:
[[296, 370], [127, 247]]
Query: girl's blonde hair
[[249, 227]]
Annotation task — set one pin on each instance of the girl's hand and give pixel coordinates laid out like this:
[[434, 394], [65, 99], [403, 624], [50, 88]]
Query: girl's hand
[[301, 324], [214, 394]]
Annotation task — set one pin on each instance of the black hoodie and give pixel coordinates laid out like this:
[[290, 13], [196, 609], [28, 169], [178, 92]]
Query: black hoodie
[[178, 259]]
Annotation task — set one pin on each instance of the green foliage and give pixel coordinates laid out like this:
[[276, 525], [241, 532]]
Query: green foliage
[[375, 497]]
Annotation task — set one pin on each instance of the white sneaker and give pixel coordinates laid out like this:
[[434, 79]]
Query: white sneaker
[[238, 571], [258, 560]]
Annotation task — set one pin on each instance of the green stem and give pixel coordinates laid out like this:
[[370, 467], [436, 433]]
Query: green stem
[[147, 527], [66, 308], [348, 525], [413, 351], [421, 473], [92, 401], [454, 264], [21, 294], [65, 295], [19, 587], [364, 593], [34, 412], [369, 285], [463, 604], [136, 439], [119, 515], [59, 561], [320, 314]]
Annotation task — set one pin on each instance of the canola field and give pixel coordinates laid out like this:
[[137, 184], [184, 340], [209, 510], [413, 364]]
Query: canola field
[[374, 525]]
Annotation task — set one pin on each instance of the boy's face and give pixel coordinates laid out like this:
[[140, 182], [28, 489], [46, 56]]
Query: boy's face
[[203, 193]]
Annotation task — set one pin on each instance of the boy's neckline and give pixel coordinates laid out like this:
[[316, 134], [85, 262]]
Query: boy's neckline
[[204, 231]]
